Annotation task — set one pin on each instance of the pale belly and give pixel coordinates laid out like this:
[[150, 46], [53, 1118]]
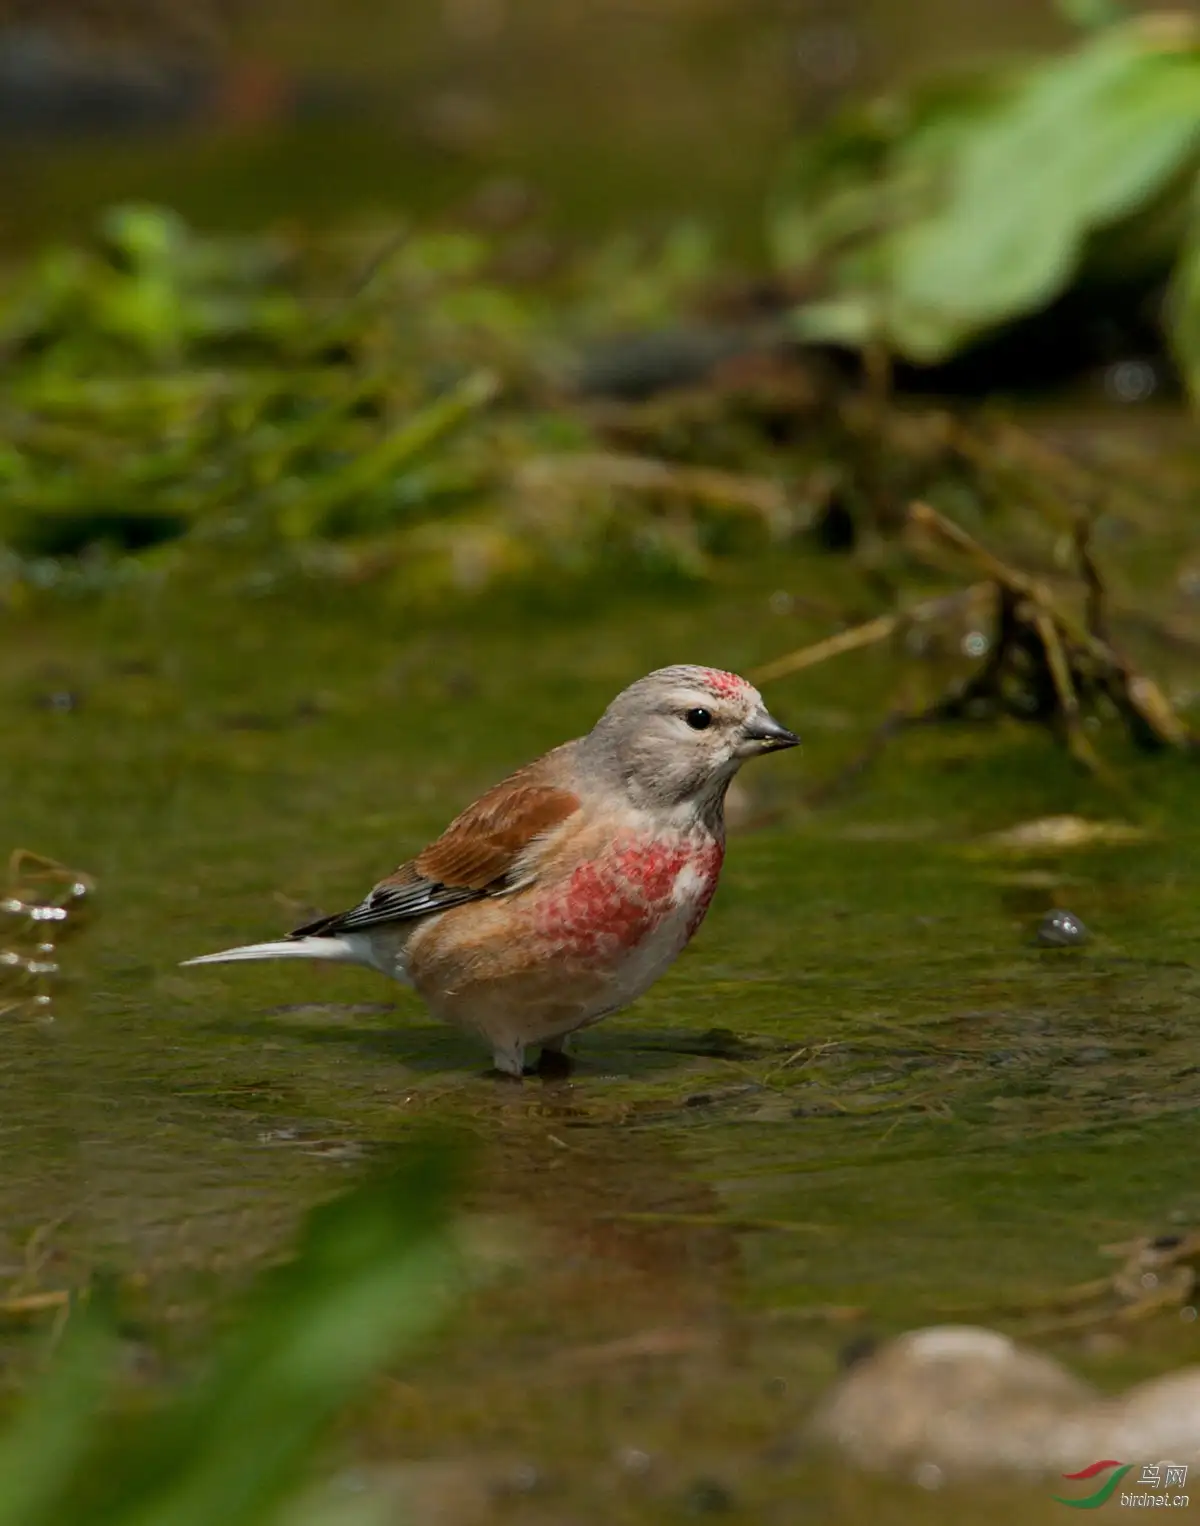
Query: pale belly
[[635, 970]]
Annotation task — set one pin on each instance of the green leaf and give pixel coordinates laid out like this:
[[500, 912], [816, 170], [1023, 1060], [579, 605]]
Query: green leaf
[[53, 1434], [375, 1268], [1090, 15], [1089, 140], [872, 168], [850, 321], [974, 206]]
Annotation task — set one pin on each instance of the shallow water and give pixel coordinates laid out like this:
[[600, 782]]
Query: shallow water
[[862, 1100]]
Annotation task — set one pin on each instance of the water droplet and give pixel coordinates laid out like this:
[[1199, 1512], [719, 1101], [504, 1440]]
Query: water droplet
[[1131, 381], [1062, 929], [975, 644]]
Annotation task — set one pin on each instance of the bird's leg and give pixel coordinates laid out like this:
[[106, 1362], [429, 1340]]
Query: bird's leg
[[509, 1059], [555, 1058]]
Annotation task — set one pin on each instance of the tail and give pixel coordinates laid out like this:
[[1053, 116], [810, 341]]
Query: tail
[[347, 949]]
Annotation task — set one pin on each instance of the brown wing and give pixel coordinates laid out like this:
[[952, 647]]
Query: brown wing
[[475, 856]]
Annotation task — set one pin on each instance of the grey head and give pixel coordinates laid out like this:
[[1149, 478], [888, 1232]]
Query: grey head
[[678, 736]]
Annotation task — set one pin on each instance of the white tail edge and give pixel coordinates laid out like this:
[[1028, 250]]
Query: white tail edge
[[345, 950]]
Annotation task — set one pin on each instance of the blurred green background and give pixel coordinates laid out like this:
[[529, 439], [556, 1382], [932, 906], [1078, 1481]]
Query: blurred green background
[[384, 387]]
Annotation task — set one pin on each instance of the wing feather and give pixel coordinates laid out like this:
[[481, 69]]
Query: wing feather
[[481, 853]]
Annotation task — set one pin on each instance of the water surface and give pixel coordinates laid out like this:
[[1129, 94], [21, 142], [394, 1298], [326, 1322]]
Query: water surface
[[862, 1100]]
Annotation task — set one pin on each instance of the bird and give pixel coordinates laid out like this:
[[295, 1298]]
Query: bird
[[564, 892]]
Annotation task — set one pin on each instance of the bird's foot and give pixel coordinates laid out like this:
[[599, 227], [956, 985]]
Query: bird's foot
[[508, 1063], [554, 1062]]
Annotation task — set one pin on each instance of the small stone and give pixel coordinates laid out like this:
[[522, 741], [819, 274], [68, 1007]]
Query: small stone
[[525, 1478], [708, 1496], [857, 1350], [1131, 381], [1062, 929], [634, 1461], [60, 701]]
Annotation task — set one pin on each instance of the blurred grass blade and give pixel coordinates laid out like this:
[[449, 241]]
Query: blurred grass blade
[[375, 1269], [49, 1442], [403, 447]]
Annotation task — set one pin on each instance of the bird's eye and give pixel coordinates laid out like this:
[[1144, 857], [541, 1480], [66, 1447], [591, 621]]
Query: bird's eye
[[699, 720]]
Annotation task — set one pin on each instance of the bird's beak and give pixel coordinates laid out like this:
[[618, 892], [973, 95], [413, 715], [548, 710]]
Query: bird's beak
[[769, 735]]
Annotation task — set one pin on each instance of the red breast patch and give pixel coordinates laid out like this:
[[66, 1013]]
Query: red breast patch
[[613, 902]]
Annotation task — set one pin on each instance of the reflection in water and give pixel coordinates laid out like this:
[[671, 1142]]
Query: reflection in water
[[42, 903]]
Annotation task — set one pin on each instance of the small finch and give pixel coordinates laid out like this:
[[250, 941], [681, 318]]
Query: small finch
[[563, 893]]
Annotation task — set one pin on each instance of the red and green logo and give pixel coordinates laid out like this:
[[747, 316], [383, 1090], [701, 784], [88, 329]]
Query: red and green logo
[[1116, 1472]]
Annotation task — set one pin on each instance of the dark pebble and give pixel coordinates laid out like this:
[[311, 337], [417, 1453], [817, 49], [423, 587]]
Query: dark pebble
[[1062, 929], [857, 1350], [61, 701], [708, 1496]]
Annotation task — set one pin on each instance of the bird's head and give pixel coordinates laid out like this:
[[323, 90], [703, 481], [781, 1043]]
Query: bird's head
[[681, 733]]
